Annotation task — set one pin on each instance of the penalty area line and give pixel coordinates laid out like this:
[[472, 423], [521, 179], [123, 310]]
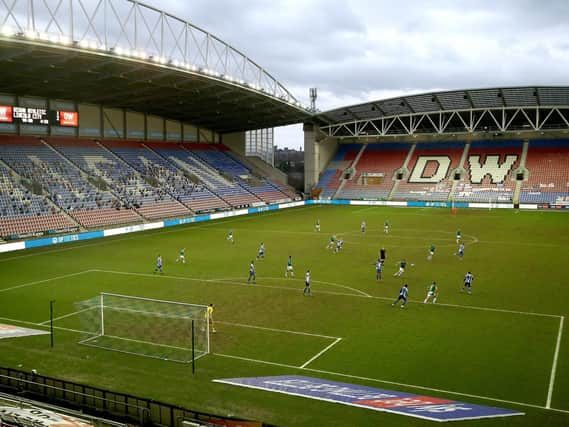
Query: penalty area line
[[286, 331], [377, 380], [320, 353], [67, 315], [38, 282], [230, 281]]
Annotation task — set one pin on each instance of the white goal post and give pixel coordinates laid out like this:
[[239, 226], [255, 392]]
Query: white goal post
[[168, 330]]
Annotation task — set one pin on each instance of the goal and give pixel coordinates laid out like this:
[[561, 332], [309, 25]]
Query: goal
[[167, 330]]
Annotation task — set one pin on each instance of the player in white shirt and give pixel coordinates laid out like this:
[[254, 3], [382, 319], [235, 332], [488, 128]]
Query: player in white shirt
[[363, 227], [317, 225], [460, 252], [307, 284], [261, 253], [252, 275], [378, 269], [386, 227], [339, 244]]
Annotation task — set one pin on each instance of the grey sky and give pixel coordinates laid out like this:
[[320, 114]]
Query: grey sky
[[359, 50]]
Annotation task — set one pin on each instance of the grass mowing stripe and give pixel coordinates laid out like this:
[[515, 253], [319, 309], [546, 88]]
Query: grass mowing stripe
[[244, 283], [25, 322], [554, 364], [457, 393], [146, 235], [67, 315], [276, 330], [37, 282], [228, 279]]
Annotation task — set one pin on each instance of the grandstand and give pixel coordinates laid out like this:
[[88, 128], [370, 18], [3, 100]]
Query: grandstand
[[547, 163], [90, 183], [480, 146], [376, 171], [108, 127]]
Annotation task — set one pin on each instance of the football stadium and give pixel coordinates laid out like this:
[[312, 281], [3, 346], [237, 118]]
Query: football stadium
[[157, 269]]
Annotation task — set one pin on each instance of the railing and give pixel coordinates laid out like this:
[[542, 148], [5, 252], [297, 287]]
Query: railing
[[99, 402], [131, 29]]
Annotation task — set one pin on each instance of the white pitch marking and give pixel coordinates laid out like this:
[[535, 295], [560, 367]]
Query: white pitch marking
[[44, 326], [529, 405], [554, 364], [320, 353], [277, 330], [146, 234], [244, 283], [320, 281], [220, 282], [37, 282], [67, 315]]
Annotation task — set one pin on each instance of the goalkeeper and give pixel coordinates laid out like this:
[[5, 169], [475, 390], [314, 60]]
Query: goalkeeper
[[209, 317]]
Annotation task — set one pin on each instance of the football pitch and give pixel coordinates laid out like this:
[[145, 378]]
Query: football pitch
[[504, 345]]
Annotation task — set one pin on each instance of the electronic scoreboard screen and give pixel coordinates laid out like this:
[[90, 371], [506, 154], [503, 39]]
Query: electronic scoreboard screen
[[30, 115], [38, 116]]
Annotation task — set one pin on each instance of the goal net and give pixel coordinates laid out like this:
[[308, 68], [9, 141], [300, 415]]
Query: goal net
[[167, 330]]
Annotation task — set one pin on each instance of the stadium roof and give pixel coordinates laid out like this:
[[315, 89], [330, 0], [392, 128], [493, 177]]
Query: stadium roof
[[510, 97], [129, 55], [529, 108]]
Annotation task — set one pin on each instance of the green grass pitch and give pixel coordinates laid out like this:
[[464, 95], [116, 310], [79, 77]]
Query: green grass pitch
[[495, 347]]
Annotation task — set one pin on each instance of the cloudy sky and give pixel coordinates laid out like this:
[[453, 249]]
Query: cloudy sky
[[359, 50]]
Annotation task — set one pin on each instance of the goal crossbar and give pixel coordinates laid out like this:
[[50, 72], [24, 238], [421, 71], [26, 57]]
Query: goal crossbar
[[153, 300]]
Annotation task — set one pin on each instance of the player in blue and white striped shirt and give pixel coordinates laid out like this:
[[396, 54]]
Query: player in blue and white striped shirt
[[468, 278], [378, 269], [159, 265], [403, 293]]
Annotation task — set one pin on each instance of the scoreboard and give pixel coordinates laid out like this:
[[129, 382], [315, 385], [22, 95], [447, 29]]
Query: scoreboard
[[38, 116]]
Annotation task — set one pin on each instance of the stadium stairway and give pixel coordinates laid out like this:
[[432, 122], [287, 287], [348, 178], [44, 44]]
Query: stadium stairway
[[522, 168], [202, 202], [353, 174], [84, 219], [223, 164], [30, 219], [489, 178], [164, 209], [216, 184], [547, 164], [405, 170], [378, 158], [267, 176], [461, 169], [103, 216]]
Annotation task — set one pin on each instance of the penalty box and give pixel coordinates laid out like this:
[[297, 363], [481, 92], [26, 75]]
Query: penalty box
[[522, 350], [117, 328]]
